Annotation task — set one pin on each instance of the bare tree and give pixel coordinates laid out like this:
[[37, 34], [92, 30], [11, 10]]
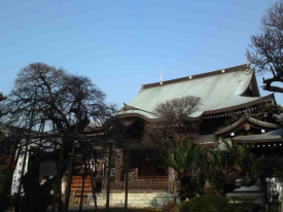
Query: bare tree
[[7, 163], [266, 49], [175, 124], [49, 101], [1, 97], [54, 96], [173, 128]]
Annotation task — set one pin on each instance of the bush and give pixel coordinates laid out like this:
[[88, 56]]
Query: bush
[[170, 207], [218, 203], [207, 203], [246, 204]]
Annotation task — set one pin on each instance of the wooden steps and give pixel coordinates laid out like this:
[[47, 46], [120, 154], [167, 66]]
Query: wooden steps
[[77, 183]]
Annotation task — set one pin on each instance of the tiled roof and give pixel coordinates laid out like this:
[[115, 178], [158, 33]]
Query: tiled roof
[[275, 135], [218, 90], [244, 119]]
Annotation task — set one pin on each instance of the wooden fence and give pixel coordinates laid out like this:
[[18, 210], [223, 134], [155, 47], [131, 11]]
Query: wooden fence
[[139, 184], [151, 183]]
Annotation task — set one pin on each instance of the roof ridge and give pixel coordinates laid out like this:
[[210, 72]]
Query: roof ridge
[[197, 76]]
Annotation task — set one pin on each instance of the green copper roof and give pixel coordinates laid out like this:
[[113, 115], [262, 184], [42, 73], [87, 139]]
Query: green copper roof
[[275, 135], [217, 90]]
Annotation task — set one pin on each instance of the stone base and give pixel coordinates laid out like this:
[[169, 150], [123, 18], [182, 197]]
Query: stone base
[[135, 200]]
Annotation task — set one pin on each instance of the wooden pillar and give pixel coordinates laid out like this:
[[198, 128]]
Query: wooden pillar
[[69, 180], [58, 188], [171, 179], [93, 189], [126, 188], [82, 191], [126, 169], [118, 165], [108, 177]]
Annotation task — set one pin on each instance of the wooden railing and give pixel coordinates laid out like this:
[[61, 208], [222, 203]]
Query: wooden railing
[[151, 183]]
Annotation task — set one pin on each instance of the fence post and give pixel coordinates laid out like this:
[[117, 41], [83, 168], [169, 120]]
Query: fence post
[[108, 177]]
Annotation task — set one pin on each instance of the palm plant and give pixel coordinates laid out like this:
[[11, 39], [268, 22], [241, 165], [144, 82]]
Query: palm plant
[[186, 160], [235, 162], [211, 163], [200, 170]]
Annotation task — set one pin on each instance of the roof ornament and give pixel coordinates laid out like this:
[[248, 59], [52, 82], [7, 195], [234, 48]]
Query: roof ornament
[[161, 76], [248, 69], [249, 65]]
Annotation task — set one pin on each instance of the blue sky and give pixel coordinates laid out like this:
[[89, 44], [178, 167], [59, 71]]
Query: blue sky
[[121, 44]]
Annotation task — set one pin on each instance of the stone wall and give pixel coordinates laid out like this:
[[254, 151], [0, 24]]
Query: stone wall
[[135, 199]]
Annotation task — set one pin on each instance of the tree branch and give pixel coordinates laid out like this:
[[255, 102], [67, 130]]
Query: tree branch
[[269, 87]]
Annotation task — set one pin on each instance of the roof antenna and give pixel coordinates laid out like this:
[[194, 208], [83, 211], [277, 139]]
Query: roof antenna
[[161, 75]]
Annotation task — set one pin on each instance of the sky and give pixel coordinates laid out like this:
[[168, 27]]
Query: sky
[[122, 44]]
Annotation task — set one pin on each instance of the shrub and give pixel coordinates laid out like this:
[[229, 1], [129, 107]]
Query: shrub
[[170, 207], [207, 203], [245, 204]]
